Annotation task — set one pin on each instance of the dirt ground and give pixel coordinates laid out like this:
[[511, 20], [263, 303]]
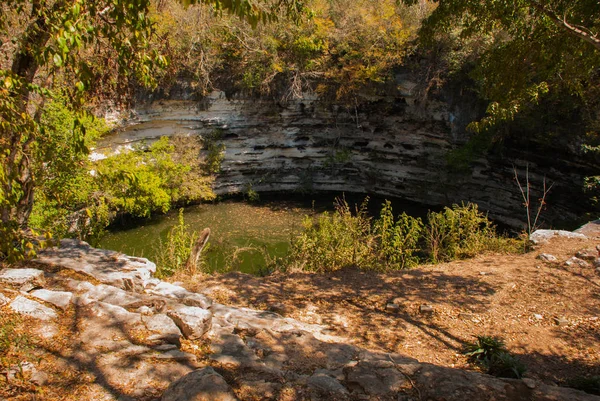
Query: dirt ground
[[515, 297]]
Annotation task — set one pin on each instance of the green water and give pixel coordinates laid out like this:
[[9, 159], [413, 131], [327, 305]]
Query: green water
[[243, 236]]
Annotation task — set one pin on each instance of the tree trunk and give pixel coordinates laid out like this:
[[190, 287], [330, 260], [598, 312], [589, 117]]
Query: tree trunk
[[19, 181], [192, 261]]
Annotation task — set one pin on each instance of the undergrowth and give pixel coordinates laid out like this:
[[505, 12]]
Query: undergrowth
[[173, 254], [491, 354], [352, 238]]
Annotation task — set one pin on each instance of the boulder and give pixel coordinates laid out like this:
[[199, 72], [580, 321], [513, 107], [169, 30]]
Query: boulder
[[323, 383], [31, 308], [546, 257], [200, 385], [193, 321], [589, 254], [576, 262], [543, 236], [164, 328], [591, 229], [181, 294]]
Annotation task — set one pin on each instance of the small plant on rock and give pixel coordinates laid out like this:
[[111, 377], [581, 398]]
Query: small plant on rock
[[491, 354]]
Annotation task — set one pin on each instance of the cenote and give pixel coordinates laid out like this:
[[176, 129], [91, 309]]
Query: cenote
[[244, 236]]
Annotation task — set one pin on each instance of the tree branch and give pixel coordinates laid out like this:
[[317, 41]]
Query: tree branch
[[580, 32]]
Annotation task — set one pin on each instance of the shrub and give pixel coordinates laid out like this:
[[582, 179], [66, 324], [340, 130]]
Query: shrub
[[398, 241], [175, 252], [335, 240], [457, 232], [491, 354]]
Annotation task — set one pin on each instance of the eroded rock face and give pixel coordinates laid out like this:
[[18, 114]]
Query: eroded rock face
[[392, 147]]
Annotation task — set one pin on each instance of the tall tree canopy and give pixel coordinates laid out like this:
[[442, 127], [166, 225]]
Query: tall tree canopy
[[524, 49]]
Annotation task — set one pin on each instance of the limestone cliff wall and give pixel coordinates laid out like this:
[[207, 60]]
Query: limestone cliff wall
[[390, 147]]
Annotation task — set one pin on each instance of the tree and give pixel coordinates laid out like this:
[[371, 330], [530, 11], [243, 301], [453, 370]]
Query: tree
[[526, 49], [52, 44]]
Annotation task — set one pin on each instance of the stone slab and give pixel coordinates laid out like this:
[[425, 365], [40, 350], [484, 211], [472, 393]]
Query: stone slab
[[193, 321], [20, 276], [201, 385], [60, 299], [31, 308], [108, 267], [181, 294]]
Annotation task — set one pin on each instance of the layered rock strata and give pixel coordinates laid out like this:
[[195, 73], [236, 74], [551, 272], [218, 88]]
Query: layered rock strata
[[392, 147]]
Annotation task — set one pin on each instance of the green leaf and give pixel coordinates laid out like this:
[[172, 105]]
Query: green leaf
[[58, 61]]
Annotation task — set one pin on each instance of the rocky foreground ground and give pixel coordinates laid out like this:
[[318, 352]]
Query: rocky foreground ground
[[105, 329]]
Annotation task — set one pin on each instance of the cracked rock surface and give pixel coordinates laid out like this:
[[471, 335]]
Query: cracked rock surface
[[144, 339]]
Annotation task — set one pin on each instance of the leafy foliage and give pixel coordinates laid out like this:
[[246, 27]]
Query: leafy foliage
[[343, 238], [398, 241], [491, 353], [338, 48], [457, 232], [75, 48], [335, 240], [136, 183]]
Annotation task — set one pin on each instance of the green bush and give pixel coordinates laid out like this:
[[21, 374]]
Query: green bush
[[343, 238], [335, 240], [398, 241], [491, 354], [174, 253], [457, 232]]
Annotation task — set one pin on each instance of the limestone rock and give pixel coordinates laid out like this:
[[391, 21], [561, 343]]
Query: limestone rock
[[181, 294], [193, 321], [60, 299], [375, 377], [591, 229], [576, 262], [230, 349], [589, 254], [31, 308], [561, 321], [21, 276], [201, 385], [426, 308], [546, 257], [543, 236], [165, 328], [108, 267]]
